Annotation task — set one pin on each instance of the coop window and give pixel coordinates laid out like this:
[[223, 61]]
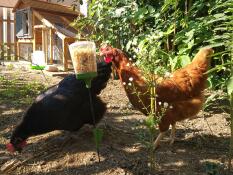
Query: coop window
[[24, 23]]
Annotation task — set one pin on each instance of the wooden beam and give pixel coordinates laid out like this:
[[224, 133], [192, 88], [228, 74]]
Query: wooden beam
[[18, 51], [34, 32], [66, 20], [43, 20], [1, 25], [21, 40], [65, 54], [51, 45], [34, 41], [60, 35], [44, 44], [48, 24], [70, 40], [39, 26], [15, 39]]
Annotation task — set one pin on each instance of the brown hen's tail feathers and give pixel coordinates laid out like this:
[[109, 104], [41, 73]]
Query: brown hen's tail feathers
[[202, 58]]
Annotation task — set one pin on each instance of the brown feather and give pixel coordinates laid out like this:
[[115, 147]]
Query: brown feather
[[183, 90]]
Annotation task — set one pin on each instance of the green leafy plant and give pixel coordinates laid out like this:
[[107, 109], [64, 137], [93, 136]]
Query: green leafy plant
[[162, 36], [175, 30], [148, 135], [230, 94]]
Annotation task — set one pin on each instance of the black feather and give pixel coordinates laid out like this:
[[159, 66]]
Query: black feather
[[65, 106]]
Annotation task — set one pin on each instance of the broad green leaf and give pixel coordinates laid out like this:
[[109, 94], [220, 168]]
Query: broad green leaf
[[184, 60], [128, 45]]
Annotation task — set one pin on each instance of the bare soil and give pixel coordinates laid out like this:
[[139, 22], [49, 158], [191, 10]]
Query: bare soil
[[196, 151]]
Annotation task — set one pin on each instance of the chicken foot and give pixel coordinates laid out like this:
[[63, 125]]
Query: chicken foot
[[161, 135]]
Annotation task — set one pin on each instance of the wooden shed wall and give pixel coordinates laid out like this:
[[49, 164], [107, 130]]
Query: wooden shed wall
[[7, 33]]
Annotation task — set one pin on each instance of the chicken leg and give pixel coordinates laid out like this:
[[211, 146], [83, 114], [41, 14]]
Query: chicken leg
[[172, 135], [157, 141], [160, 136]]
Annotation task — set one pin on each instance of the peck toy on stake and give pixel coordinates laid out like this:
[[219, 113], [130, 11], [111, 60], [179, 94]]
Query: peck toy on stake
[[83, 55]]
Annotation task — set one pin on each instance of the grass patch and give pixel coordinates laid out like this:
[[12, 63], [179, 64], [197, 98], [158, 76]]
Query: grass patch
[[18, 92]]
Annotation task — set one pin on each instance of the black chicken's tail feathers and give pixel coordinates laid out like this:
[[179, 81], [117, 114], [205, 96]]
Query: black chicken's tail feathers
[[104, 73]]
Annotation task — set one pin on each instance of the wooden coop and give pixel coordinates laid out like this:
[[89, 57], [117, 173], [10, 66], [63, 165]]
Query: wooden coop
[[44, 26], [7, 30]]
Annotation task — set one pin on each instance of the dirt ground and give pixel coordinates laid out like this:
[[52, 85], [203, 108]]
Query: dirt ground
[[196, 151]]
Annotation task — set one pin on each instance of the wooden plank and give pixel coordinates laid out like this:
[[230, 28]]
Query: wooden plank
[[65, 53], [45, 44], [1, 24], [70, 40], [15, 40], [51, 42], [2, 48], [67, 21], [18, 50], [34, 32], [34, 41], [22, 40], [44, 21], [8, 34], [39, 26], [48, 24]]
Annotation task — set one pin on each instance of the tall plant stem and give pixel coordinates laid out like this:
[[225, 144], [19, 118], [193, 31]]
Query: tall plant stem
[[175, 19], [153, 112], [190, 4], [231, 139], [231, 114]]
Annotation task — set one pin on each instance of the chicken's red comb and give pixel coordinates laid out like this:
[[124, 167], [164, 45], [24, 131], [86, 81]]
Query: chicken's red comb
[[108, 59], [10, 147]]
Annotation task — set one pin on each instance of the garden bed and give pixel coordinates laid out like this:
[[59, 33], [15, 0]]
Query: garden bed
[[197, 150]]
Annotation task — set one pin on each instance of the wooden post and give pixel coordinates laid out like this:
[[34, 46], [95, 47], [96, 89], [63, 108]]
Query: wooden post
[[2, 51], [42, 41], [45, 44], [65, 50], [18, 51], [51, 44], [34, 40], [8, 33], [15, 40], [34, 32]]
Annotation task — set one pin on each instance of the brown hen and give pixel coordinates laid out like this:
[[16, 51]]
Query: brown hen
[[183, 90]]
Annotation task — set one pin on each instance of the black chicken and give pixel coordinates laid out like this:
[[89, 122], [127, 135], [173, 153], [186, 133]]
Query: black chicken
[[65, 106]]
